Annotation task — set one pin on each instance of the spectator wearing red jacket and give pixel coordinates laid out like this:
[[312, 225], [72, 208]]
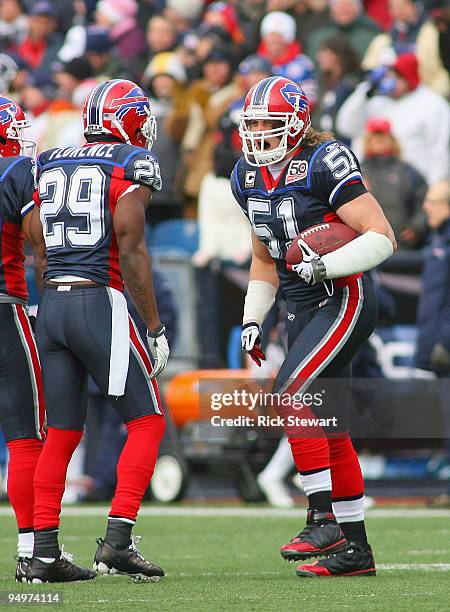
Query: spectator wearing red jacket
[[41, 45]]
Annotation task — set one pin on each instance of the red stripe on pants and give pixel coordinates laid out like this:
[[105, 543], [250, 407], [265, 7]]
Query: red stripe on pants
[[313, 364], [31, 343], [138, 345]]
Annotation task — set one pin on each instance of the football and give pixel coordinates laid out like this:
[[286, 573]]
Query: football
[[323, 238]]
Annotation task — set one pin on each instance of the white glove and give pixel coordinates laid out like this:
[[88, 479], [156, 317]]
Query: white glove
[[311, 269], [159, 348], [251, 342]]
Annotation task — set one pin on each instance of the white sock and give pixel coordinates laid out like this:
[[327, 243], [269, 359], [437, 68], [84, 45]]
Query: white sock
[[319, 481], [349, 511], [47, 559], [25, 543], [281, 462]]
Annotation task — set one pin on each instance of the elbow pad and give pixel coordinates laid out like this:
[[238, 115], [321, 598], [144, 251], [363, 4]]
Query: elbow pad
[[258, 301], [359, 255]]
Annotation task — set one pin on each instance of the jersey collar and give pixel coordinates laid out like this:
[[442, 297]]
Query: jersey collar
[[269, 183]]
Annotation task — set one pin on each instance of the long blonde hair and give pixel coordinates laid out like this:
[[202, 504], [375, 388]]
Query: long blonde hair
[[313, 138]]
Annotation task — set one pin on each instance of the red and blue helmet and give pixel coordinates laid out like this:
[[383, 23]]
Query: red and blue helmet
[[12, 125], [285, 103], [121, 108]]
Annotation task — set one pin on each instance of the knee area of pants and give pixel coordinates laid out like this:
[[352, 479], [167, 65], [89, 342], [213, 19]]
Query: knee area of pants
[[154, 425], [25, 444]]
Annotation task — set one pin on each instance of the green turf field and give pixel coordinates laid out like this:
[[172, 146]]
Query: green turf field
[[233, 563]]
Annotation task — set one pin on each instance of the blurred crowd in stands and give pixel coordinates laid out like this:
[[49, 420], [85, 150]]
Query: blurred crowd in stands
[[375, 72]]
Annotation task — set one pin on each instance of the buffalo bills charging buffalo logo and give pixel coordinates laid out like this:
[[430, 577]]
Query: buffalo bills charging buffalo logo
[[7, 111], [295, 96], [135, 99]]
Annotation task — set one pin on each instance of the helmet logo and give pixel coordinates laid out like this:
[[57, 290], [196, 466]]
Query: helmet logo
[[295, 97], [134, 100], [7, 112]]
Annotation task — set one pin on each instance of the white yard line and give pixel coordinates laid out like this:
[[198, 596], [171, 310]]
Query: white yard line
[[381, 567], [221, 511], [436, 567]]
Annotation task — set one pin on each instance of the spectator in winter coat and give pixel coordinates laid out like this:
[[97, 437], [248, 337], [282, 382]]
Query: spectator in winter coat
[[161, 35], [280, 47], [412, 32], [119, 16], [13, 23], [165, 79], [40, 48], [101, 55], [348, 20], [433, 319], [420, 118], [441, 19], [398, 187], [339, 73], [209, 98]]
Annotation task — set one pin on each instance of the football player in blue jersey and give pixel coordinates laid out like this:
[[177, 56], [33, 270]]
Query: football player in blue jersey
[[90, 221], [21, 394], [289, 179]]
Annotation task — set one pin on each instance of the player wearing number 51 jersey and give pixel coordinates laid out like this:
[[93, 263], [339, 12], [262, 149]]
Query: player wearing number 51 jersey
[[89, 212], [289, 179]]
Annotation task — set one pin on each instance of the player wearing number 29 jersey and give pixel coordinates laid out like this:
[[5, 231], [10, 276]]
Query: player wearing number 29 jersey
[[289, 179], [90, 217], [78, 191]]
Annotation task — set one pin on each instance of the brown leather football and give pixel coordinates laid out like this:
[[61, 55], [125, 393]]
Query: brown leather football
[[323, 238]]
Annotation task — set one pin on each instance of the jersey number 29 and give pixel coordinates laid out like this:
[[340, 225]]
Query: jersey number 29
[[82, 196]]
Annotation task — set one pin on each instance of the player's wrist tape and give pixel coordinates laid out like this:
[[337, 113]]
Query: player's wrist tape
[[156, 333], [258, 301], [359, 255]]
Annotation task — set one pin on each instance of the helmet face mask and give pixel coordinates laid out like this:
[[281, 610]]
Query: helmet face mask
[[282, 103], [120, 108], [12, 125], [149, 131]]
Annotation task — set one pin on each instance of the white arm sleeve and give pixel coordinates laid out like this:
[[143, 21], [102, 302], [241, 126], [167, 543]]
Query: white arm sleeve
[[363, 253], [258, 301]]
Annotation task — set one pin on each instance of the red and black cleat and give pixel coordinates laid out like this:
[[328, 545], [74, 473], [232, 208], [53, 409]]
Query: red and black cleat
[[321, 536], [355, 560]]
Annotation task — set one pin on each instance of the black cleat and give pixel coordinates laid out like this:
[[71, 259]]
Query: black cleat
[[61, 570], [321, 536], [354, 560], [21, 568], [109, 560]]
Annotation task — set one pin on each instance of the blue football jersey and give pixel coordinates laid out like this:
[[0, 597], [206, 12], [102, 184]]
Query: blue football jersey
[[77, 192], [312, 186], [16, 192]]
